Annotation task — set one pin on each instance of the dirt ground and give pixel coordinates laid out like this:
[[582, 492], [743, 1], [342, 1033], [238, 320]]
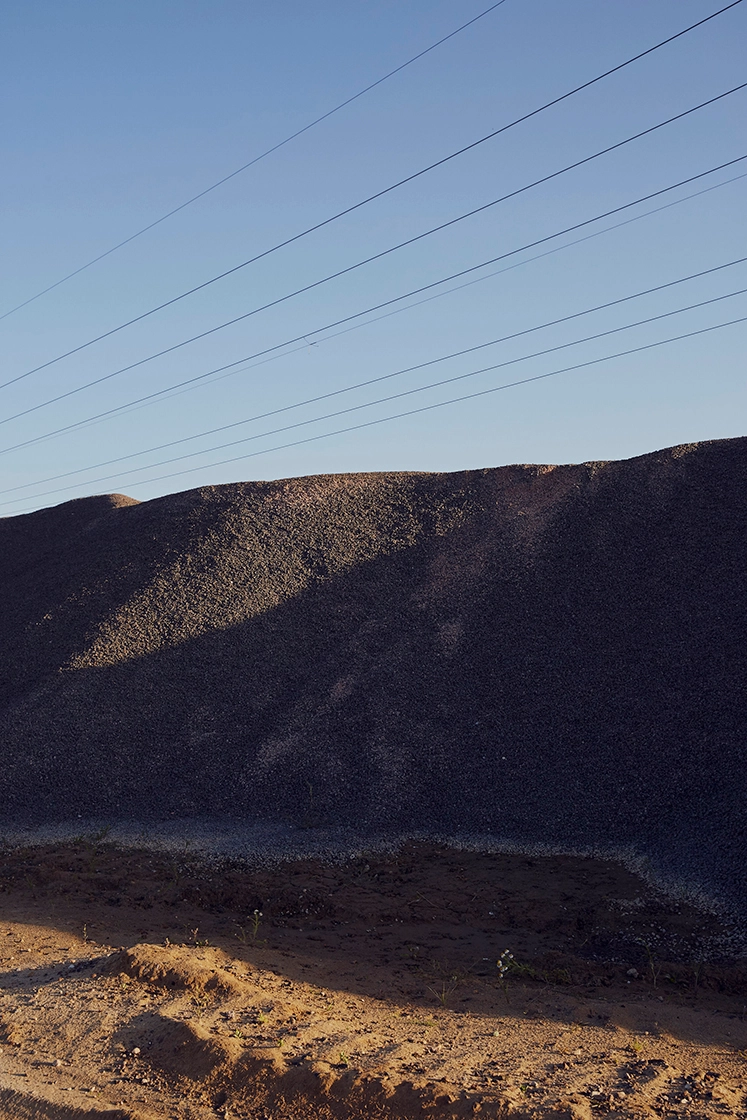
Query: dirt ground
[[144, 986]]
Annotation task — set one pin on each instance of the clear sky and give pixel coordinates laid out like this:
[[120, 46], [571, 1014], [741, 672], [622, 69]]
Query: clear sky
[[116, 113]]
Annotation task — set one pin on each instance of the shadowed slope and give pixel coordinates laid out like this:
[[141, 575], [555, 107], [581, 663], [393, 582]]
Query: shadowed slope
[[540, 654]]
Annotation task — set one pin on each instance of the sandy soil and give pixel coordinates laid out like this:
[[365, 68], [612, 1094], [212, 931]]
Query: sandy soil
[[146, 986]]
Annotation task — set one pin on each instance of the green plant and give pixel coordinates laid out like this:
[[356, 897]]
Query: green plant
[[654, 966], [446, 990], [199, 942], [505, 965], [254, 922], [249, 933], [558, 976], [344, 1059]]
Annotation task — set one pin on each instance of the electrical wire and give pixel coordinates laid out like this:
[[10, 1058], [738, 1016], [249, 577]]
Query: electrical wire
[[256, 159], [387, 190], [178, 391], [151, 397], [442, 404], [408, 369], [418, 389], [454, 400]]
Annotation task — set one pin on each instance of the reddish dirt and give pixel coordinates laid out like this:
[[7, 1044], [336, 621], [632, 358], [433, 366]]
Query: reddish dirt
[[143, 986]]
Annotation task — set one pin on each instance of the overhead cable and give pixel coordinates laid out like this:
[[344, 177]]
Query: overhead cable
[[454, 400], [338, 322], [445, 404], [256, 159], [412, 369], [306, 344], [392, 187], [409, 393]]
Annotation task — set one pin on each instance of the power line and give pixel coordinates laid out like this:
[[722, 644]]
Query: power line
[[454, 400], [329, 326], [440, 295], [444, 404], [256, 159], [388, 190], [411, 369], [418, 389]]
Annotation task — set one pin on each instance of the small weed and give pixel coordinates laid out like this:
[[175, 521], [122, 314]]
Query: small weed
[[249, 933], [444, 993], [505, 965], [654, 966], [344, 1059], [254, 922], [237, 1033], [558, 976]]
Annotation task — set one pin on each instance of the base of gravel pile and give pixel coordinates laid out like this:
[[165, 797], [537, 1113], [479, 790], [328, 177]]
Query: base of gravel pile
[[548, 658]]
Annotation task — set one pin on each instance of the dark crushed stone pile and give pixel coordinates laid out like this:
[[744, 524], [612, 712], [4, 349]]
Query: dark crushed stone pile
[[541, 654]]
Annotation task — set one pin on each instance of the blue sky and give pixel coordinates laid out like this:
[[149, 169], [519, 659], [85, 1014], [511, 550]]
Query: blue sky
[[117, 113]]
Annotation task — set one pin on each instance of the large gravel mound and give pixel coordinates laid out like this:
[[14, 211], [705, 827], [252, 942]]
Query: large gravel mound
[[538, 654]]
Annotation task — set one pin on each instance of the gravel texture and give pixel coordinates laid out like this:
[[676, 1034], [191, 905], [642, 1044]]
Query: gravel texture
[[538, 655]]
